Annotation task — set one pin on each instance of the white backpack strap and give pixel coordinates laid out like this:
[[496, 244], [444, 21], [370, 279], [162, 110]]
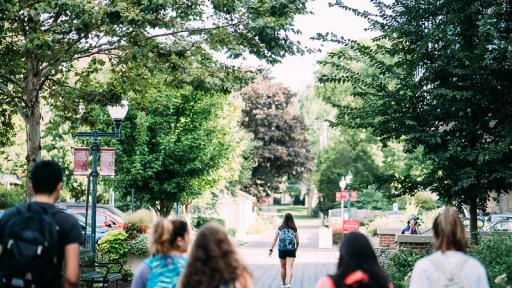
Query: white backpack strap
[[456, 270], [438, 265]]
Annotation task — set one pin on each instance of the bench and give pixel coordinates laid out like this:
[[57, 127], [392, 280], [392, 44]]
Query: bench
[[101, 273]]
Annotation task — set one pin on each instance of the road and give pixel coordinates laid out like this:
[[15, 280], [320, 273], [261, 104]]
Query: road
[[311, 263]]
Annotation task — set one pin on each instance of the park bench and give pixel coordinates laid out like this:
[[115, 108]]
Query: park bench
[[101, 273]]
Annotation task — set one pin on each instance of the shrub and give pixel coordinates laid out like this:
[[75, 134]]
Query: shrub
[[494, 253], [425, 201], [10, 197], [201, 220], [399, 266], [337, 238], [232, 232], [385, 222], [138, 246], [142, 217], [112, 247]]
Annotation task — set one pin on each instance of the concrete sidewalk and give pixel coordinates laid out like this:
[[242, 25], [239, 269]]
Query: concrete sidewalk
[[311, 263]]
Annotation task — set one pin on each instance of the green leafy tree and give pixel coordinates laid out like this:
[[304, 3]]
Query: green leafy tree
[[447, 91], [283, 151], [355, 152], [44, 40], [175, 144]]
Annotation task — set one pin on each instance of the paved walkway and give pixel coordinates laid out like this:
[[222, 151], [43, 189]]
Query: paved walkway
[[311, 263]]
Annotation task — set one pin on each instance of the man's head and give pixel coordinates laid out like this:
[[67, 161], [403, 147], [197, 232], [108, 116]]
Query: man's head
[[46, 177]]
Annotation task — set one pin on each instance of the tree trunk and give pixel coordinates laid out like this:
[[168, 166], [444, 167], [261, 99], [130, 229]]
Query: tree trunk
[[473, 223], [33, 120], [164, 209]]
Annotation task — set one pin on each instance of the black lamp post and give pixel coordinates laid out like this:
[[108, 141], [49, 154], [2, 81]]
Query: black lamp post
[[117, 113]]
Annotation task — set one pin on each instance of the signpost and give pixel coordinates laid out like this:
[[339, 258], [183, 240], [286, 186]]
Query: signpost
[[345, 195]]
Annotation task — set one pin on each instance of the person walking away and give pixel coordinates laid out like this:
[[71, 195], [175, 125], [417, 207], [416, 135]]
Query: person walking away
[[287, 239], [36, 237], [357, 266], [170, 239], [449, 266], [214, 262], [412, 226]]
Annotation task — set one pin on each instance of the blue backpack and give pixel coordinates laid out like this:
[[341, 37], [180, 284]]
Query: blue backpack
[[165, 270], [286, 239]]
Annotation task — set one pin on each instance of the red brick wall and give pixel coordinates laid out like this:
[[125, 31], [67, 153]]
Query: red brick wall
[[386, 240]]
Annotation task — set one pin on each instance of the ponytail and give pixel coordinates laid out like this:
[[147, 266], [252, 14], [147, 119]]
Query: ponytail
[[160, 236]]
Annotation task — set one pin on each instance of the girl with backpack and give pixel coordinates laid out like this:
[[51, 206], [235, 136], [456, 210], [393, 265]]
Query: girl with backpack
[[214, 262], [449, 266], [357, 266], [169, 240], [287, 240]]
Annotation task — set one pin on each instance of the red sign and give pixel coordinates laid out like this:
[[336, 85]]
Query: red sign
[[343, 195], [80, 161], [351, 226], [107, 161]]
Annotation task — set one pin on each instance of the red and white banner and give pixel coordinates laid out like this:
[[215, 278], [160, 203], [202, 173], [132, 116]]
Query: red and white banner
[[80, 161], [343, 195], [107, 161], [351, 226]]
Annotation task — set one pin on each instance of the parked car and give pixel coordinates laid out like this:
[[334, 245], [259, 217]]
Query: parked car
[[100, 232], [497, 217], [106, 215], [503, 225]]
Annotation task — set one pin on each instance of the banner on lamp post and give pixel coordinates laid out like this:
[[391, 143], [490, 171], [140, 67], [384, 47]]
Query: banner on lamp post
[[107, 161], [80, 161]]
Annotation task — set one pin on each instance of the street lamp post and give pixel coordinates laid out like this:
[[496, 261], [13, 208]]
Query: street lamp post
[[343, 184], [349, 179], [117, 113]]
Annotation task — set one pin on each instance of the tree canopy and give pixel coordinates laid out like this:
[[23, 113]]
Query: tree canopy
[[41, 41], [447, 91], [282, 150]]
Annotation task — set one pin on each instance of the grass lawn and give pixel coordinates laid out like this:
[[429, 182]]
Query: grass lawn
[[298, 212]]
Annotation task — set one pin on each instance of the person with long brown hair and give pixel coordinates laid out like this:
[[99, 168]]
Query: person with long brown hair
[[449, 266], [287, 238], [169, 241], [214, 262], [357, 266]]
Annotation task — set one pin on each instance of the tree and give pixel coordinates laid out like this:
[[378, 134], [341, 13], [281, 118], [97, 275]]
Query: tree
[[283, 152], [174, 147], [358, 153], [42, 40], [447, 91]]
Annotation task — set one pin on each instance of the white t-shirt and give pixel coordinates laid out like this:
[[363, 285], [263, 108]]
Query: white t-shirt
[[424, 274]]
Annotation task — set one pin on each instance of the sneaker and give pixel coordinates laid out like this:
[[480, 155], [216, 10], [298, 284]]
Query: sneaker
[[283, 285], [288, 286]]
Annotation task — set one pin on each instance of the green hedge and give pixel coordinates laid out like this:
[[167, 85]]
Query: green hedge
[[10, 197], [495, 254], [201, 220], [399, 266]]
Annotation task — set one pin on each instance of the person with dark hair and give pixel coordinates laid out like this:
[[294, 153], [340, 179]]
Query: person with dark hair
[[214, 262], [412, 226], [287, 239], [35, 238], [169, 240], [357, 266], [449, 266]]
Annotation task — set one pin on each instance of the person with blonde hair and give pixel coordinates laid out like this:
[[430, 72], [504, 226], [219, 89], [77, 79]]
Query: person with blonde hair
[[214, 262], [169, 240], [449, 266]]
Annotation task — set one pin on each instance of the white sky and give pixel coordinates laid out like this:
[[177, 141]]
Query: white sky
[[297, 72]]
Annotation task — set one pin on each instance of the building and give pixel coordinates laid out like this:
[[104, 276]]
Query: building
[[237, 211]]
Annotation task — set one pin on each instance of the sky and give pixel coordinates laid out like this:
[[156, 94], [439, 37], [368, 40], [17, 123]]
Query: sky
[[297, 72]]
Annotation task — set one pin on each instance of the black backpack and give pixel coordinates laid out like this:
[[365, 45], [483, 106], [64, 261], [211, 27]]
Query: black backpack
[[29, 244]]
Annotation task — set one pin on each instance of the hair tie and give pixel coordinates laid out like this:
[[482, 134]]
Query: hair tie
[[356, 276]]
